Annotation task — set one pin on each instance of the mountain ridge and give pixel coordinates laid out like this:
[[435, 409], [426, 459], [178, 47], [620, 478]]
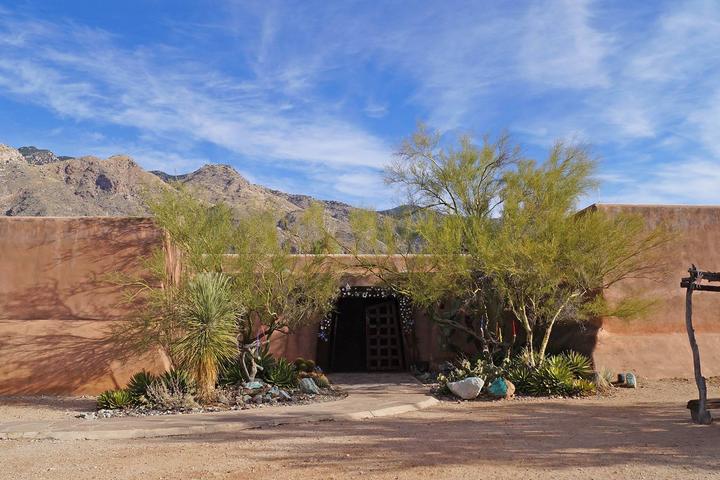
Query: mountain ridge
[[37, 182]]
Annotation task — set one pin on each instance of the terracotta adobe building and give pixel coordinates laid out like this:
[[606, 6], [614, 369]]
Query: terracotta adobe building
[[56, 308]]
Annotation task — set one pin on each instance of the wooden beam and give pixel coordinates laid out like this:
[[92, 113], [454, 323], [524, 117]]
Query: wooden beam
[[708, 288]]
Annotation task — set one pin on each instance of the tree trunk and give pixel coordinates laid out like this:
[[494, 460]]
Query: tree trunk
[[529, 343], [545, 340], [703, 417]]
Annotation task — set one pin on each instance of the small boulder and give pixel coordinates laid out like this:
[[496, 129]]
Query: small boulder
[[223, 398], [258, 398], [254, 385], [468, 388], [501, 388], [630, 380], [285, 396], [307, 385]]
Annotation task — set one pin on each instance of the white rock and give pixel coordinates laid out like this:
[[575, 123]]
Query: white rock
[[468, 388]]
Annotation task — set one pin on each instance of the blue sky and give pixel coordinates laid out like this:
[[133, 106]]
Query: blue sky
[[314, 96]]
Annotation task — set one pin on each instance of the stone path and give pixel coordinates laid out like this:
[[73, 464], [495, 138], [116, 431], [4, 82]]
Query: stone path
[[369, 395]]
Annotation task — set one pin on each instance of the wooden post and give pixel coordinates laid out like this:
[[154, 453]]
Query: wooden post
[[702, 415]]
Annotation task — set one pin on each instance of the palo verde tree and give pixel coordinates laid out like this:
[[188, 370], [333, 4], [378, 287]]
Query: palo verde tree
[[493, 232], [551, 263], [222, 265], [452, 195]]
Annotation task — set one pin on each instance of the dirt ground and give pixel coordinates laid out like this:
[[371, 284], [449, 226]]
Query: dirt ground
[[644, 433]]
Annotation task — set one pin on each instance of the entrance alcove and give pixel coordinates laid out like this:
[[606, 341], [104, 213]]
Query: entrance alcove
[[364, 333]]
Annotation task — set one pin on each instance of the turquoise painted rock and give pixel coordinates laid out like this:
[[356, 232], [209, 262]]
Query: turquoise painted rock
[[501, 388], [254, 385], [630, 380]]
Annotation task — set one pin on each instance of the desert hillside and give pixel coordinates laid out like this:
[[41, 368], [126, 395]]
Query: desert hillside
[[36, 182]]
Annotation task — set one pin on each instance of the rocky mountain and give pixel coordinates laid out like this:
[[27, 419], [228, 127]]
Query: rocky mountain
[[35, 182], [38, 156]]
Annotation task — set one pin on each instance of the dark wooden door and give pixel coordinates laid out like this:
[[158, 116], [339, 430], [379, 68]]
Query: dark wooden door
[[382, 333]]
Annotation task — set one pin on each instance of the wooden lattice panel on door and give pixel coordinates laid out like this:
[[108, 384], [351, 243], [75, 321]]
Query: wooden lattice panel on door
[[384, 351]]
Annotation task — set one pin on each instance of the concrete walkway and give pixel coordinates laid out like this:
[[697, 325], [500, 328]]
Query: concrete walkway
[[369, 395]]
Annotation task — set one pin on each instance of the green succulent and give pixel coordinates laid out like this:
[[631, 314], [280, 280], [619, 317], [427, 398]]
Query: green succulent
[[579, 364], [138, 385], [282, 374], [265, 360], [584, 387], [232, 373], [519, 373], [114, 399], [178, 382]]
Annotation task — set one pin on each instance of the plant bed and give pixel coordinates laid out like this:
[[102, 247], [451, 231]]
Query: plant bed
[[228, 398], [568, 375]]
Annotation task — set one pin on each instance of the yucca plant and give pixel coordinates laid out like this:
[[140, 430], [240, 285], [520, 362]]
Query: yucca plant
[[208, 316], [114, 399], [283, 374]]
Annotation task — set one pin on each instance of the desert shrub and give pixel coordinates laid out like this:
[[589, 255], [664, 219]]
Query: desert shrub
[[322, 381], [303, 365], [138, 385], [603, 380], [282, 374], [170, 395], [114, 399]]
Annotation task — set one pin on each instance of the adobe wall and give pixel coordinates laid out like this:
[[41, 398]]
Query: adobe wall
[[57, 306], [656, 345]]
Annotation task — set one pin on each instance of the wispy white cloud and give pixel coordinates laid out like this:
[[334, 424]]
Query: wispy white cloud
[[561, 48], [693, 181], [307, 88], [88, 77], [375, 110]]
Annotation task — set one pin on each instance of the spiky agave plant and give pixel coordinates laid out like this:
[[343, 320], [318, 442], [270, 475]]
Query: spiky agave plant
[[208, 316]]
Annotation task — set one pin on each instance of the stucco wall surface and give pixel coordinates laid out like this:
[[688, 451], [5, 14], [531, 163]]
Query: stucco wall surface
[[656, 345], [57, 303]]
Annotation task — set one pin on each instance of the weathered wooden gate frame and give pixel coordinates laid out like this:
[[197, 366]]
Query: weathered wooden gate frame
[[700, 414]]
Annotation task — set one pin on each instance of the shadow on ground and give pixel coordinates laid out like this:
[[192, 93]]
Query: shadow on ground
[[552, 434]]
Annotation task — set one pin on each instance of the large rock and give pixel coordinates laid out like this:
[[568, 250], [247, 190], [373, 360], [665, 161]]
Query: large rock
[[501, 388], [307, 385], [468, 388]]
